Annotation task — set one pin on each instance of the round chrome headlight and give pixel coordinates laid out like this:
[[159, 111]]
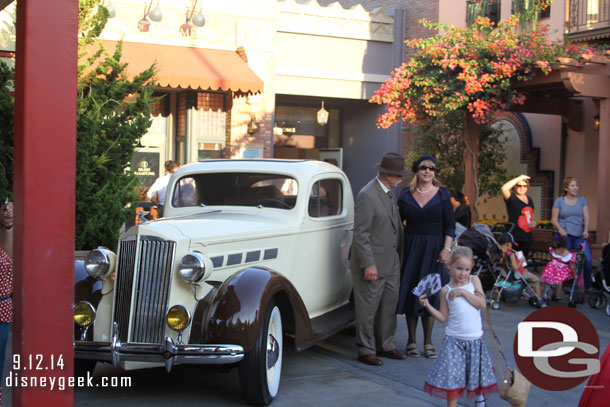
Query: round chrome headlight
[[84, 314], [178, 318], [99, 261], [192, 267]]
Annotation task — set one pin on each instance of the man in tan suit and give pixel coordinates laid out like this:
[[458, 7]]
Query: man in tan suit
[[375, 262]]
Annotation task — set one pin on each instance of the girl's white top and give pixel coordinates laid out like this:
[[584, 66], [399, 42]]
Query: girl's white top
[[464, 319]]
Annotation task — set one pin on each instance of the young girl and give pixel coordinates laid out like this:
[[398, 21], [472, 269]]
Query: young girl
[[463, 365], [512, 262], [561, 267]]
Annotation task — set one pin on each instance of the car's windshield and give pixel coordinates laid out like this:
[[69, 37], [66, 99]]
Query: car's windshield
[[235, 189]]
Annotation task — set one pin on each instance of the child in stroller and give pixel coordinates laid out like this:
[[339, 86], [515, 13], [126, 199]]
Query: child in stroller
[[601, 282], [516, 275], [561, 268], [487, 253]]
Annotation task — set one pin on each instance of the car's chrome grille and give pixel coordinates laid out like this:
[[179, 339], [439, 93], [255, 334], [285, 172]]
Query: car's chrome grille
[[150, 288], [124, 284]]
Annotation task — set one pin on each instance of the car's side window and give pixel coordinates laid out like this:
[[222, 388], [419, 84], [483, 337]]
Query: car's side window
[[326, 198]]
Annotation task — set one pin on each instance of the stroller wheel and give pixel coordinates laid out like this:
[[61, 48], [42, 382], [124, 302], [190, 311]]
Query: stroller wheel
[[496, 305], [608, 310], [597, 300]]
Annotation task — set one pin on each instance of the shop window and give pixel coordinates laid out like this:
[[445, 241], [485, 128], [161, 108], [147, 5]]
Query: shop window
[[210, 125], [482, 8], [326, 198], [297, 126]]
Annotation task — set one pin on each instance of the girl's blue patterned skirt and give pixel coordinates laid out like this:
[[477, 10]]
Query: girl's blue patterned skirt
[[462, 367]]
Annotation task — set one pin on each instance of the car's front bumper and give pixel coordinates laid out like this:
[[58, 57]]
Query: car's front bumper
[[169, 352]]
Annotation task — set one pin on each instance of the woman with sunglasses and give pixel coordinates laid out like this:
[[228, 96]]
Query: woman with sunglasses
[[430, 228], [520, 210]]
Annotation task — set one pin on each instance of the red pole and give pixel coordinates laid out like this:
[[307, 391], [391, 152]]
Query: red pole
[[44, 182]]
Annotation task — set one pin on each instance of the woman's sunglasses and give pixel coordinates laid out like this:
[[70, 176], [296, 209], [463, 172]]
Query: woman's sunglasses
[[425, 167], [521, 185]]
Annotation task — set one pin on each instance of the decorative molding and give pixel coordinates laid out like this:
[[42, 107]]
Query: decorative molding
[[329, 74], [335, 21]]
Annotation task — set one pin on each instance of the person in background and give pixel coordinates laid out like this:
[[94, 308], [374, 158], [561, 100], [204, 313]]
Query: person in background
[[461, 208], [512, 262], [464, 366], [560, 268], [156, 192], [429, 232], [520, 210], [6, 228], [570, 216], [375, 259], [6, 281]]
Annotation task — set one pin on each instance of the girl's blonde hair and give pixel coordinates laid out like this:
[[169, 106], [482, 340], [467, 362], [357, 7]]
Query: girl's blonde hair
[[460, 252]]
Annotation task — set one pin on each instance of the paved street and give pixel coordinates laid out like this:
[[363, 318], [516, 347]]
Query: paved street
[[327, 374]]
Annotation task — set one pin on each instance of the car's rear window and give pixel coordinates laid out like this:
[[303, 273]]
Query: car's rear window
[[236, 189]]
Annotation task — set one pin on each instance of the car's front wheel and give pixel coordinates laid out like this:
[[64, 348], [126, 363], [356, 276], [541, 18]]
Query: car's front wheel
[[261, 368]]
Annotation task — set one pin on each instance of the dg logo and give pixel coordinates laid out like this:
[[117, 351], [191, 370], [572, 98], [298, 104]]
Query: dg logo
[[556, 348]]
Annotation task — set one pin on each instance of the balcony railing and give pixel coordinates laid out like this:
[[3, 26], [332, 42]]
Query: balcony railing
[[588, 16]]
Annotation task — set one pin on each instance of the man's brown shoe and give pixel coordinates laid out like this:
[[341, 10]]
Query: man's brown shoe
[[370, 359], [392, 354]]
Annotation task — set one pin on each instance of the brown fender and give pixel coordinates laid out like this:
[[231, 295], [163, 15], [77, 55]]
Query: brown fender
[[235, 309]]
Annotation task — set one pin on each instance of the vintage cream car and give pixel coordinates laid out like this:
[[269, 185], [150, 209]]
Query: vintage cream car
[[248, 250]]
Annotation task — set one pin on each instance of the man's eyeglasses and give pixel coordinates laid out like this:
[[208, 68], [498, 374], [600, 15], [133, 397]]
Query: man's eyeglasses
[[425, 167]]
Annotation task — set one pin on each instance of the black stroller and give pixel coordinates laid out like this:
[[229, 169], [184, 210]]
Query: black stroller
[[487, 253], [601, 282]]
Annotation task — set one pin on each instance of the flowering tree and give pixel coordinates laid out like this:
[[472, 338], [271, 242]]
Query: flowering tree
[[468, 70]]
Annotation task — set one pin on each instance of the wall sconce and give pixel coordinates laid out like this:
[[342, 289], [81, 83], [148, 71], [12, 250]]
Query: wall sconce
[[322, 115], [596, 122], [253, 126], [111, 10], [155, 15], [198, 20]]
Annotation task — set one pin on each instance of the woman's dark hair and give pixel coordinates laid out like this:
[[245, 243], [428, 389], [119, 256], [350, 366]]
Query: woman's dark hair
[[459, 196], [505, 238], [559, 242]]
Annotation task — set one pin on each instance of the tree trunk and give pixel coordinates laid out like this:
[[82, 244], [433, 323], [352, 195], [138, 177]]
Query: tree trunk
[[471, 164]]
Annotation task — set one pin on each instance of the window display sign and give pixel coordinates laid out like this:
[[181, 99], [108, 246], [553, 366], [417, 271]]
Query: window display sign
[[146, 167]]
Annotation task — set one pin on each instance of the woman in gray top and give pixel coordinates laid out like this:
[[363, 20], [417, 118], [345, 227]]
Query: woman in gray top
[[570, 216]]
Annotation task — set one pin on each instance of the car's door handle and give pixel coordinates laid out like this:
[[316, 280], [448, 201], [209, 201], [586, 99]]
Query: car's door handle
[[348, 229]]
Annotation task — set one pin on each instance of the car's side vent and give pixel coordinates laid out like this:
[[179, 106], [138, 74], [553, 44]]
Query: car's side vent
[[234, 259], [270, 254], [217, 261], [253, 256]]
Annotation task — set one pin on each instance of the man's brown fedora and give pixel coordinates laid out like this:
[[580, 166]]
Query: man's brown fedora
[[392, 163]]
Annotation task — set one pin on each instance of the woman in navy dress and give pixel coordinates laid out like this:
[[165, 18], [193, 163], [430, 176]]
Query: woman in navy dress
[[429, 232]]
